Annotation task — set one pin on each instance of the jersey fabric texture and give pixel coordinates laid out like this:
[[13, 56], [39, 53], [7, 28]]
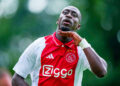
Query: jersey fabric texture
[[52, 63]]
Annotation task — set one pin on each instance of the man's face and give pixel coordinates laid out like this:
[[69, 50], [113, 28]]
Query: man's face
[[5, 80], [69, 19]]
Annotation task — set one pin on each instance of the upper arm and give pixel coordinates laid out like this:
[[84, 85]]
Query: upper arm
[[16, 79]]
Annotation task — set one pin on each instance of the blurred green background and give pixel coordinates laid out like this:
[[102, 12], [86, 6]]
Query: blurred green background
[[23, 21]]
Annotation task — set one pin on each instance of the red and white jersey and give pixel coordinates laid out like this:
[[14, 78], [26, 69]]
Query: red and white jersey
[[52, 63]]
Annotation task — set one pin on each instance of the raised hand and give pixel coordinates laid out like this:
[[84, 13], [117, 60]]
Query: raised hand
[[71, 34]]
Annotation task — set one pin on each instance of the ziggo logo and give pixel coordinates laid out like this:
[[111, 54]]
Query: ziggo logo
[[49, 70]]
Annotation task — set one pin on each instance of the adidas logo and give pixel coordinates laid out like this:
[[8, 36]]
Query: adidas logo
[[50, 56]]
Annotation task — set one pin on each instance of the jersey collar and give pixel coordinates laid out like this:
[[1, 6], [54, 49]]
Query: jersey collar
[[59, 43]]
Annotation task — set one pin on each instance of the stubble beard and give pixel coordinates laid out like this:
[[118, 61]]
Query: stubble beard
[[65, 28]]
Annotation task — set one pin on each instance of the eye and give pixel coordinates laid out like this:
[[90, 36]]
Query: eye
[[65, 12], [74, 14]]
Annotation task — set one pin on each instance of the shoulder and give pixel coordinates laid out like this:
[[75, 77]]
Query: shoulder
[[48, 37], [41, 41], [36, 45]]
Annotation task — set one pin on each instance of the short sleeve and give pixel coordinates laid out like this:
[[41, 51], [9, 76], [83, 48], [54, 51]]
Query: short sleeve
[[27, 60], [83, 59]]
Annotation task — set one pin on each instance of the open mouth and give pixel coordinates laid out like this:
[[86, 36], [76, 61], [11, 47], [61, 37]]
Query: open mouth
[[67, 22]]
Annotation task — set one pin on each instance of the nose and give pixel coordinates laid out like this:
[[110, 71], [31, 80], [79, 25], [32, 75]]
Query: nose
[[69, 15]]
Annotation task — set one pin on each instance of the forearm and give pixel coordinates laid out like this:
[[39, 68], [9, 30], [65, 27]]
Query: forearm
[[97, 64], [18, 81]]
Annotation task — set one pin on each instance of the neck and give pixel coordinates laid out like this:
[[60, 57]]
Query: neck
[[63, 39]]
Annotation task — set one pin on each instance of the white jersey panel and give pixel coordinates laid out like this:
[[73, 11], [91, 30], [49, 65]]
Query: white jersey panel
[[81, 66], [36, 70]]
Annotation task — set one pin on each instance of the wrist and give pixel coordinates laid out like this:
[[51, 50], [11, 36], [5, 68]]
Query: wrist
[[84, 44]]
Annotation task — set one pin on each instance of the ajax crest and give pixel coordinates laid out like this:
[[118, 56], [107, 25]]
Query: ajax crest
[[70, 57]]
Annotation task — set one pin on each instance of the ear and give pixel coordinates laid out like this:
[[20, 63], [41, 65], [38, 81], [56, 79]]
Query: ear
[[57, 22], [78, 27]]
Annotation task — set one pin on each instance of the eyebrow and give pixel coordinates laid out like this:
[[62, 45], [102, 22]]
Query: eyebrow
[[70, 10], [74, 12]]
